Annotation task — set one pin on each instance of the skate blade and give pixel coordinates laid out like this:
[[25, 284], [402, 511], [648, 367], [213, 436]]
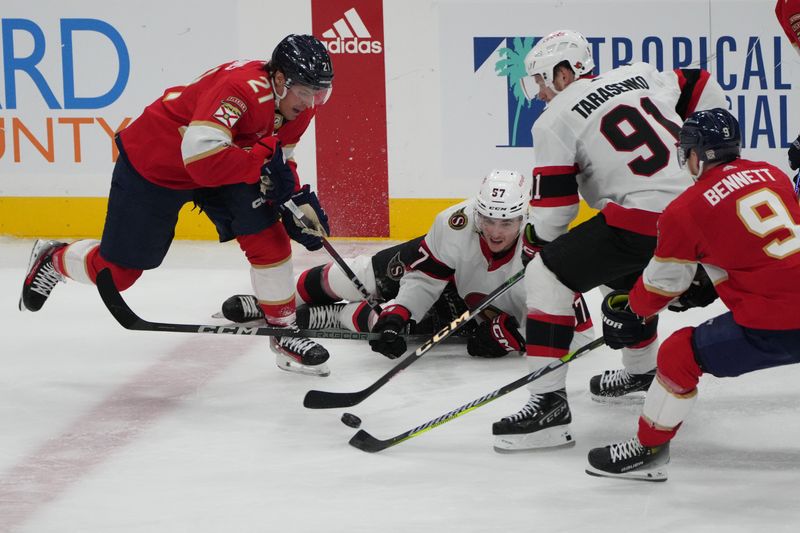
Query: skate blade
[[557, 437], [658, 473], [632, 398], [290, 365]]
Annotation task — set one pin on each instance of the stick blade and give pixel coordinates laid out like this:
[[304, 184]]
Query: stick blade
[[366, 442], [320, 399]]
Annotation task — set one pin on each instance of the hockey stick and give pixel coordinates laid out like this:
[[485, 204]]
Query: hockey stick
[[366, 442], [317, 399], [130, 320], [306, 222]]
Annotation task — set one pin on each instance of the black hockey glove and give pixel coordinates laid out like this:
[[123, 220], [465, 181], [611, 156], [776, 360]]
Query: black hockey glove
[[699, 294], [277, 178], [531, 244], [308, 203], [794, 154], [390, 325], [496, 337], [621, 326]]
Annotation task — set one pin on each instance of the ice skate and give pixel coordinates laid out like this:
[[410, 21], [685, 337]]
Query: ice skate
[[241, 308], [620, 385], [630, 460], [41, 276], [300, 354], [320, 316], [542, 423]]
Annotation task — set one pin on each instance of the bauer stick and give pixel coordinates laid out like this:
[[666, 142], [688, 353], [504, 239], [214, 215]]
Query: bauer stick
[[123, 314], [316, 399], [308, 224], [366, 442]]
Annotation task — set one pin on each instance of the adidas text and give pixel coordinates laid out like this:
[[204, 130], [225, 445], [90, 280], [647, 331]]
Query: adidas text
[[353, 46]]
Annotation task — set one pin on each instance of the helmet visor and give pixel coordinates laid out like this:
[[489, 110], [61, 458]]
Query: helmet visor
[[309, 96]]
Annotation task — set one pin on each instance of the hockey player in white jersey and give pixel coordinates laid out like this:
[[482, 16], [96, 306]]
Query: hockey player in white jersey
[[476, 246], [610, 139]]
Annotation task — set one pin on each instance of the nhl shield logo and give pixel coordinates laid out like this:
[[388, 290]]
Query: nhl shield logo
[[458, 220]]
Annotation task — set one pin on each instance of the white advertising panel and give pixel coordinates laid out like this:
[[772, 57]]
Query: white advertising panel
[[487, 120]]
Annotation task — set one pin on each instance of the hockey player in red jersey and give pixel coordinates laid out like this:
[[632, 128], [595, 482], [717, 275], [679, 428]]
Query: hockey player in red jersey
[[788, 13], [741, 221], [471, 249], [606, 138], [224, 142]]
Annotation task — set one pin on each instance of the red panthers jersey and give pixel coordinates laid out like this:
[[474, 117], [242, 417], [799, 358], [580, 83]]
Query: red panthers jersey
[[201, 134], [741, 220]]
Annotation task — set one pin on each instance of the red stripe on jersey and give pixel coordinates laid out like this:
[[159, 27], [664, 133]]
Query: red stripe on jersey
[[697, 91], [631, 219], [556, 170], [560, 201], [559, 320]]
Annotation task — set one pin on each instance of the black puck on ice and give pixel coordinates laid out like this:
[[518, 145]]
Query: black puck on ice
[[351, 420]]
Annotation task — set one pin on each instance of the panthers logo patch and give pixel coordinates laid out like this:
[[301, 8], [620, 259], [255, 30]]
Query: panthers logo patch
[[458, 220]]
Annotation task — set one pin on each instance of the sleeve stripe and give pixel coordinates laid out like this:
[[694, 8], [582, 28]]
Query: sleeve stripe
[[691, 81], [432, 267], [201, 140], [660, 292], [556, 170], [555, 186]]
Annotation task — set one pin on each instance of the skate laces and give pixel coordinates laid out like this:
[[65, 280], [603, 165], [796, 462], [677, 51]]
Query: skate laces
[[530, 409], [626, 450], [324, 316], [614, 378], [250, 308], [297, 344], [45, 279]]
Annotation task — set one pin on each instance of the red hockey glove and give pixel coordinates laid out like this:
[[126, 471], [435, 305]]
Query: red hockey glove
[[496, 337]]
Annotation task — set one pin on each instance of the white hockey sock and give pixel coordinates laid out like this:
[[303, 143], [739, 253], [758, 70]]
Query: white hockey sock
[[665, 409], [75, 256]]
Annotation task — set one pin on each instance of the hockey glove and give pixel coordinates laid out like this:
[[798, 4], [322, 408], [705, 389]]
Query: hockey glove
[[621, 326], [496, 337], [794, 154], [699, 294], [531, 244], [277, 178], [390, 325], [310, 237]]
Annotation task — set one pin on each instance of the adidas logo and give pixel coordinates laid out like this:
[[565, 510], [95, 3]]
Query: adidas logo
[[349, 35]]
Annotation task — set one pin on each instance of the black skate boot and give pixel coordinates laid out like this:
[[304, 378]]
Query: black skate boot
[[630, 460], [41, 277], [613, 385], [319, 316], [542, 423], [241, 308], [300, 354]]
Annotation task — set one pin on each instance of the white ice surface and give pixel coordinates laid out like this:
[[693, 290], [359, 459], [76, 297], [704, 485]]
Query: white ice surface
[[108, 430]]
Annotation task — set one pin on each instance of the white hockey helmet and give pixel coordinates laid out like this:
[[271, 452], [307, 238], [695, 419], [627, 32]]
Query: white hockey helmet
[[552, 49], [504, 194]]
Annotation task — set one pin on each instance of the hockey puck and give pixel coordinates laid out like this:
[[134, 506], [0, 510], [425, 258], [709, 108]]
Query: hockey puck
[[351, 420]]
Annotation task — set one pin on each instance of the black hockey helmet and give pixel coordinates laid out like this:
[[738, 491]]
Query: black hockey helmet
[[304, 60], [713, 134]]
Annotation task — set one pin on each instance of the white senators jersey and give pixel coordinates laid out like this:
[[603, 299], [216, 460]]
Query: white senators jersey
[[454, 251], [611, 139]]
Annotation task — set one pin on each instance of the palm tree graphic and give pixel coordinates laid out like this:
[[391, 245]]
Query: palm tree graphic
[[512, 65]]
